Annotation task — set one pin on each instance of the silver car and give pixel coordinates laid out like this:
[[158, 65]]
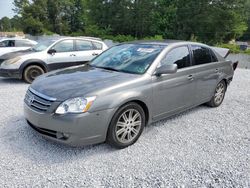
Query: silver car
[[125, 88], [50, 55]]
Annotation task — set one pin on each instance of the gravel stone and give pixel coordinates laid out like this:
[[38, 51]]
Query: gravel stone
[[202, 147]]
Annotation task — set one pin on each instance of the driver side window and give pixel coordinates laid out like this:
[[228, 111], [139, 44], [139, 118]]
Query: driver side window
[[179, 56], [64, 46]]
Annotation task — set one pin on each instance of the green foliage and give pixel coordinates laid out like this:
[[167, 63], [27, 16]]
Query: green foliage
[[120, 38], [156, 37], [234, 48], [207, 21]]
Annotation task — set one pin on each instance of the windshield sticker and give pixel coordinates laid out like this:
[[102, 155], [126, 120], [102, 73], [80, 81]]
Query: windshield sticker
[[145, 50]]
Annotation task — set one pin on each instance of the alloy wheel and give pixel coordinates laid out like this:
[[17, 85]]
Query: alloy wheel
[[128, 126]]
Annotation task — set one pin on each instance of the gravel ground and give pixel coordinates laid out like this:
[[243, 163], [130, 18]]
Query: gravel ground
[[202, 147]]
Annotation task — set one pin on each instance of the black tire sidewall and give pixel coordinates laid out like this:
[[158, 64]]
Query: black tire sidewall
[[111, 137]]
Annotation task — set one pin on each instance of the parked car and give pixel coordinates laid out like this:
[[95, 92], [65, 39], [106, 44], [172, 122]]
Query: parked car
[[50, 55], [130, 85], [8, 45]]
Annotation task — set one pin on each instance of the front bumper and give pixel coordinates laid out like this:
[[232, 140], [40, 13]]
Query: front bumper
[[71, 129], [10, 73]]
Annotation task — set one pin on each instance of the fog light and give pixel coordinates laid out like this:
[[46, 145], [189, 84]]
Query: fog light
[[65, 135], [62, 136]]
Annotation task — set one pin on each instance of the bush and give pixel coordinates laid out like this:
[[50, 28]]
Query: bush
[[156, 37], [234, 48], [120, 38]]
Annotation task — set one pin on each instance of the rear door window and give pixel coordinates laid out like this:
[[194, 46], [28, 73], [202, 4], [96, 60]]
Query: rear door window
[[213, 56], [201, 55], [83, 45], [179, 56]]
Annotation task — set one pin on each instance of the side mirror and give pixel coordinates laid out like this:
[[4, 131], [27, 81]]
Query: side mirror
[[166, 69], [51, 51]]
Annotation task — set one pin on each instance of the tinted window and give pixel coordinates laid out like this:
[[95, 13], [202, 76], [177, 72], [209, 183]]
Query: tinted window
[[82, 45], [64, 46], [214, 58], [201, 55], [97, 45], [23, 43], [7, 43], [179, 56]]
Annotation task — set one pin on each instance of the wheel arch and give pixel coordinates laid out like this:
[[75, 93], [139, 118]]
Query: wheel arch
[[37, 62], [140, 103]]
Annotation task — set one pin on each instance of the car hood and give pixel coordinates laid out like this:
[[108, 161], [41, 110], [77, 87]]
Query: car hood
[[78, 81], [16, 54]]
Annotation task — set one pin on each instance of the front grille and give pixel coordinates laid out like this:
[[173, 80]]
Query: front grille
[[37, 101]]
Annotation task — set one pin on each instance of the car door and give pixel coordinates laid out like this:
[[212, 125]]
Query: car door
[[61, 55], [207, 71], [174, 92], [85, 51]]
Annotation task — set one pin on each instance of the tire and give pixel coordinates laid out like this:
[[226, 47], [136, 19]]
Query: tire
[[219, 94], [31, 72], [126, 126]]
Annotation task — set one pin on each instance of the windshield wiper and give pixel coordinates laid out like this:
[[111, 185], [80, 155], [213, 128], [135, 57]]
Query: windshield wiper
[[108, 68]]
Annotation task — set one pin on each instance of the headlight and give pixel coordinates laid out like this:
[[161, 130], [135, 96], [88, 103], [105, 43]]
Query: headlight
[[75, 105], [12, 61]]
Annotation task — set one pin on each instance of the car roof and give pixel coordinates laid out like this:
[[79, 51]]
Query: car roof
[[87, 38], [166, 42], [14, 38]]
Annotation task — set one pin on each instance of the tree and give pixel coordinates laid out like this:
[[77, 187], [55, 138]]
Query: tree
[[5, 24]]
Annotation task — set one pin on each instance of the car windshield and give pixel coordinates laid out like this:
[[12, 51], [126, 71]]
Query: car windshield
[[43, 45], [129, 58]]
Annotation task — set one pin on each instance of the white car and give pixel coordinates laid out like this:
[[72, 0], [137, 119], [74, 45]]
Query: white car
[[50, 55], [8, 45]]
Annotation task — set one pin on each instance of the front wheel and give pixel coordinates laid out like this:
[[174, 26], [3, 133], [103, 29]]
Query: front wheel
[[126, 126], [219, 95], [31, 72]]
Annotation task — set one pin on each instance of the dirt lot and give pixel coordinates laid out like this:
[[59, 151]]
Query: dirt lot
[[202, 147]]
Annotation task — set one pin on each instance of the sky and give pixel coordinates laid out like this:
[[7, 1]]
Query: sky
[[6, 8]]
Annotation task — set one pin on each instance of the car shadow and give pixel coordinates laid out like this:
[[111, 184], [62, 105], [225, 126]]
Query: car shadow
[[11, 81], [20, 139]]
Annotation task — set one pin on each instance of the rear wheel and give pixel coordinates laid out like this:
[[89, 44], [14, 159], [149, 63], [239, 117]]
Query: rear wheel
[[219, 95], [31, 72], [126, 126]]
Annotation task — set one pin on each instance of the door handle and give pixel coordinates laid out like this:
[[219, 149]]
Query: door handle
[[72, 55], [190, 77], [216, 70], [95, 54]]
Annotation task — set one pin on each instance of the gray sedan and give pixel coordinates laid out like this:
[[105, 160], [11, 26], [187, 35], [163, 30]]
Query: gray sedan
[[125, 88]]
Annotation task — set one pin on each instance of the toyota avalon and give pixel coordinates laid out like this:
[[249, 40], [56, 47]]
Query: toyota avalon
[[117, 94]]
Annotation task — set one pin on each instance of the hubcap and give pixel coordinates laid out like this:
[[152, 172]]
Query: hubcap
[[128, 126], [219, 93], [34, 73]]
